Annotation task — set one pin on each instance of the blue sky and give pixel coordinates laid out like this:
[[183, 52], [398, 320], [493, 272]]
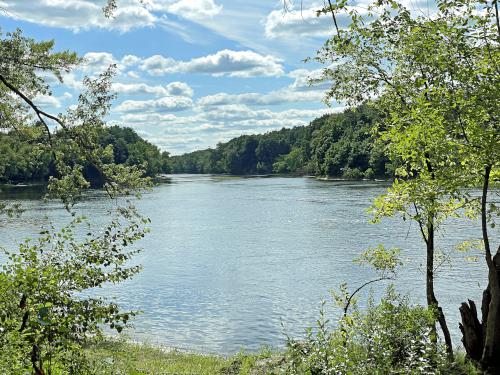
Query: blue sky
[[191, 73]]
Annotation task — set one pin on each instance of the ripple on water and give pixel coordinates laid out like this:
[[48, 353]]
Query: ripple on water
[[229, 260]]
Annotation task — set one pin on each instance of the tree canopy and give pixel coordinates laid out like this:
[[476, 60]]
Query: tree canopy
[[335, 145], [435, 77], [46, 313]]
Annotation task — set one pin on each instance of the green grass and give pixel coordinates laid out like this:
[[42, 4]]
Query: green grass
[[124, 358], [121, 357], [137, 359]]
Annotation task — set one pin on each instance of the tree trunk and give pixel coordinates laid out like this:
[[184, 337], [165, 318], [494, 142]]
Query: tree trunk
[[490, 360], [36, 361], [484, 338], [472, 331], [432, 301]]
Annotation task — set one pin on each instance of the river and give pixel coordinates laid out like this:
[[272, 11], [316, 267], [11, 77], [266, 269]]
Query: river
[[230, 262]]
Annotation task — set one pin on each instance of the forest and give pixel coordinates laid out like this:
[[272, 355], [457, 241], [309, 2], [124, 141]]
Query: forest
[[26, 158], [334, 145]]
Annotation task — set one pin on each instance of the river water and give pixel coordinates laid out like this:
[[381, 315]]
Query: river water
[[230, 262]]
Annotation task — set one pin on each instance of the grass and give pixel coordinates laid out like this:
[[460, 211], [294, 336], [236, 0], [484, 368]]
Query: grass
[[121, 357]]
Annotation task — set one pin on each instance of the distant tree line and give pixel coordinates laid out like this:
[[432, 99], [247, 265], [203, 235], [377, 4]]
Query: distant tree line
[[336, 145], [27, 158]]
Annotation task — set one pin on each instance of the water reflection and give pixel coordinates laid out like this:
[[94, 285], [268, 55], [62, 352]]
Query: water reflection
[[229, 259]]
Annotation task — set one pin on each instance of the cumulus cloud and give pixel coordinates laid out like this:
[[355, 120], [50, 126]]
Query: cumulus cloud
[[303, 76], [195, 9], [145, 118], [97, 62], [133, 74], [271, 98], [47, 101], [172, 89], [139, 88], [299, 23], [225, 62], [242, 114], [79, 15], [214, 124], [130, 60], [51, 101], [165, 104], [179, 89], [157, 65]]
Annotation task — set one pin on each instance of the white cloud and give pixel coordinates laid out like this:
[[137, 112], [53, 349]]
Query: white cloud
[[47, 101], [271, 98], [215, 124], [300, 23], [71, 81], [139, 88], [51, 101], [133, 74], [130, 60], [179, 89], [195, 9], [303, 76], [225, 62], [79, 15], [165, 104], [97, 62], [145, 118], [157, 65], [172, 89], [237, 113]]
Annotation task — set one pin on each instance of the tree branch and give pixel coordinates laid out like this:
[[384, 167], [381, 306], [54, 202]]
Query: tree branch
[[35, 108], [348, 302], [421, 227], [334, 18], [484, 224], [497, 17]]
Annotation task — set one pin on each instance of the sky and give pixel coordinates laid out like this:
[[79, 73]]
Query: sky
[[191, 73]]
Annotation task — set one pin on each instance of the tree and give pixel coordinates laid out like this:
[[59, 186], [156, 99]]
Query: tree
[[436, 81], [43, 313], [339, 145]]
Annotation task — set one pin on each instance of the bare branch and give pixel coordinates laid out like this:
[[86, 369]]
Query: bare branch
[[334, 18], [348, 302], [40, 114]]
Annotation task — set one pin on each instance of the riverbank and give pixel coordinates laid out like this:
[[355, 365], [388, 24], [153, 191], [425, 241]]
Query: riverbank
[[123, 357], [129, 358]]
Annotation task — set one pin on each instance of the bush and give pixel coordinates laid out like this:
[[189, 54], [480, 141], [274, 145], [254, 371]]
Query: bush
[[352, 173], [46, 315], [393, 337]]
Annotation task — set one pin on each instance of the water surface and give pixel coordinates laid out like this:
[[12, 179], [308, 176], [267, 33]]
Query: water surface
[[229, 260]]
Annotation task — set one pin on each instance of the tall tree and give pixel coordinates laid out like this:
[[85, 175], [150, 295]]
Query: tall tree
[[435, 77], [43, 313]]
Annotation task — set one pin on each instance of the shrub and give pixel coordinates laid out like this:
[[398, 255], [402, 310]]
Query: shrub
[[46, 314], [393, 337], [352, 173]]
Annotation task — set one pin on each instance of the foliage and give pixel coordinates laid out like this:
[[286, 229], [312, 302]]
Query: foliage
[[120, 357], [26, 158], [435, 77], [383, 261], [339, 145], [46, 313], [393, 337]]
